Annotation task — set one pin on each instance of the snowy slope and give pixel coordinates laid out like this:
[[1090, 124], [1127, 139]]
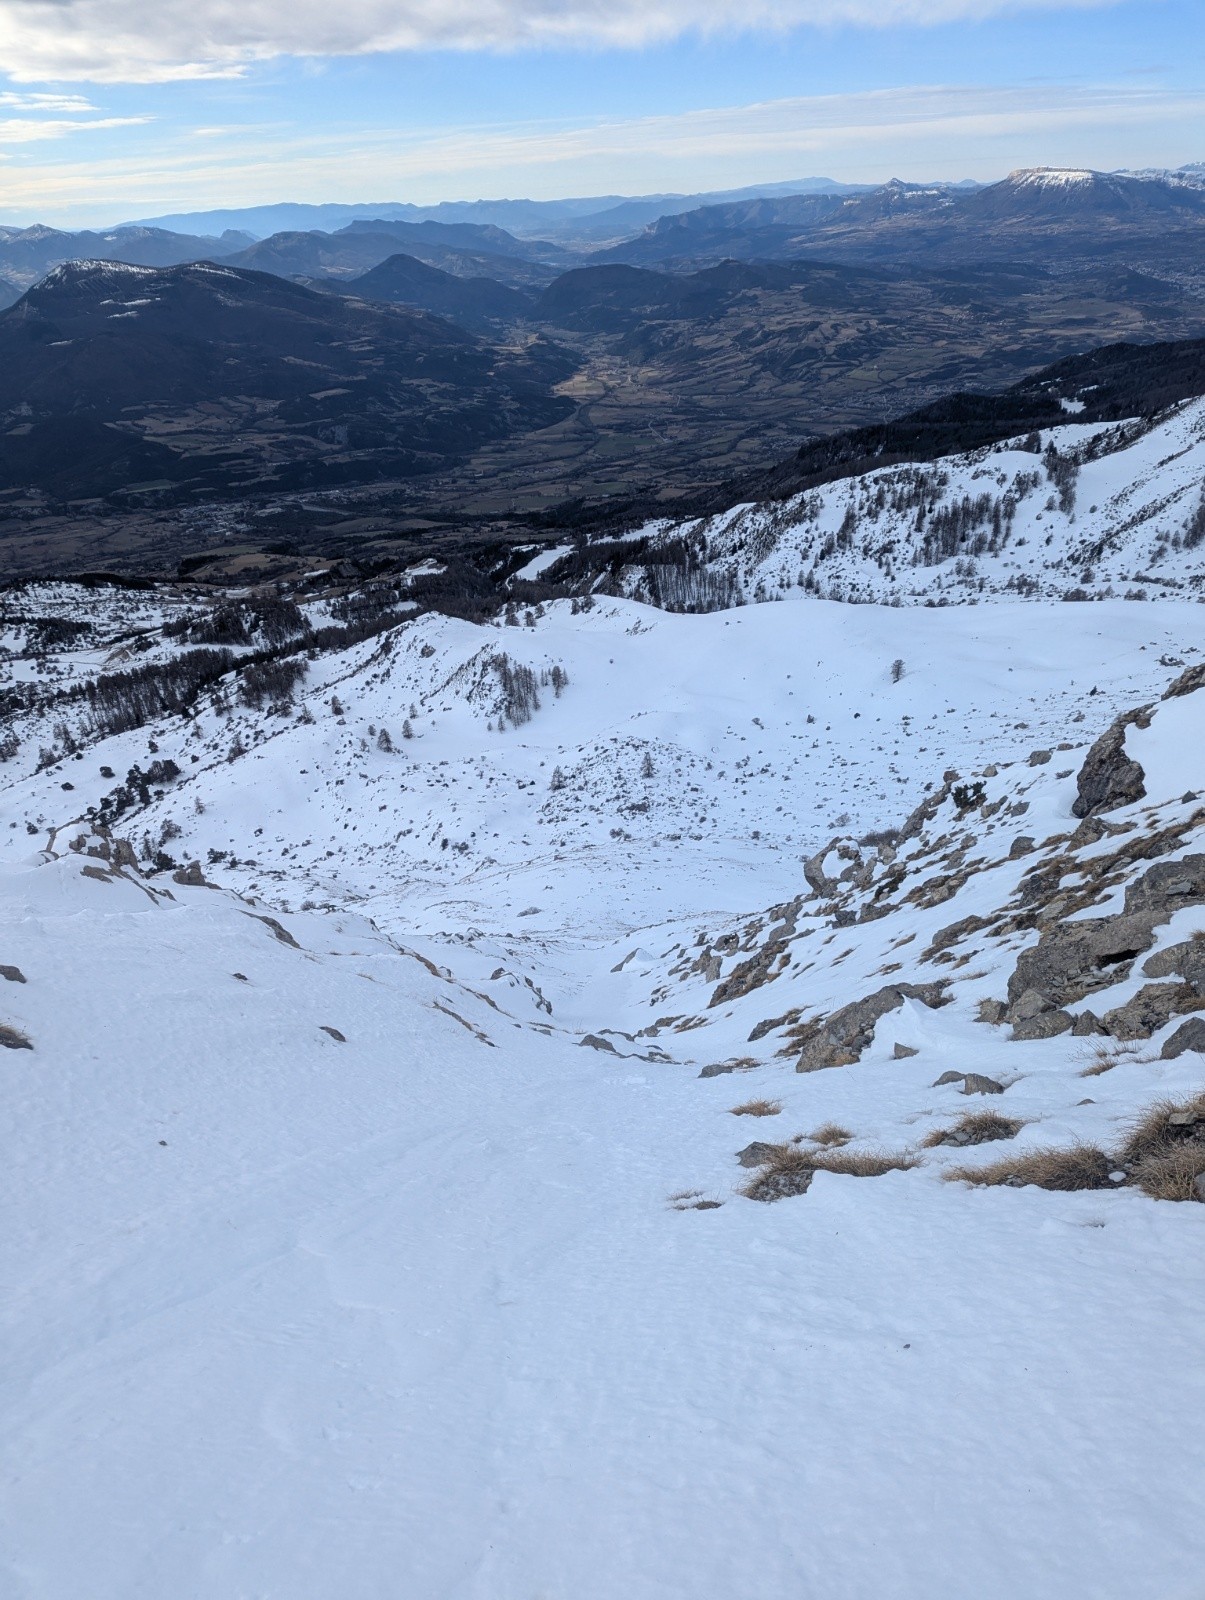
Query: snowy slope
[[1075, 512], [470, 1301]]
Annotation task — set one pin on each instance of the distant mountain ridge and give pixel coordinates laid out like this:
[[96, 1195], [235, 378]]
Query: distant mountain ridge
[[522, 217], [204, 379], [1044, 216], [27, 254]]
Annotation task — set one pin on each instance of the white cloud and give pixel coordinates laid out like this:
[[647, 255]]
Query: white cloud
[[939, 131], [31, 130], [64, 104], [117, 41]]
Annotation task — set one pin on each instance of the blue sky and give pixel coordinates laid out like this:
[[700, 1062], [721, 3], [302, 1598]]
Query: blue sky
[[117, 108]]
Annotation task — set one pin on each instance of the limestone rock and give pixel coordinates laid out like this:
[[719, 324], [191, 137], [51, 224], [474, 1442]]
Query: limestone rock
[[976, 1083], [1074, 959], [1167, 887], [13, 974], [1189, 681], [949, 1077], [1151, 1008], [1185, 961], [1046, 1025], [1022, 845], [1031, 1004], [757, 1154], [902, 1052], [815, 876], [1109, 778], [1087, 1025], [839, 1040], [1189, 1035]]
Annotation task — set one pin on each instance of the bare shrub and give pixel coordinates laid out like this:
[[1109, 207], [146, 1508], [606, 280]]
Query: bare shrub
[[1079, 1166], [977, 1127]]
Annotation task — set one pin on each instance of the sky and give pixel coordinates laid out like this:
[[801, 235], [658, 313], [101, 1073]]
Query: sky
[[119, 109]]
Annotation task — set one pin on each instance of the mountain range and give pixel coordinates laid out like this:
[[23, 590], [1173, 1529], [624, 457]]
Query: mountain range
[[210, 379]]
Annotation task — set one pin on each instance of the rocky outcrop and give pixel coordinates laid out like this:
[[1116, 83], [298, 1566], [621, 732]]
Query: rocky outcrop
[[839, 1040], [1074, 959], [1151, 1008], [1167, 887], [1109, 778], [1189, 1035], [1189, 681], [1047, 1024], [1185, 961], [751, 974]]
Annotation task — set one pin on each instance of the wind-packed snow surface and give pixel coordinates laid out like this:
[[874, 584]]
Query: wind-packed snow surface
[[369, 1228]]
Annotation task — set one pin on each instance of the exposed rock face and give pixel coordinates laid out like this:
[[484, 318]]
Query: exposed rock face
[[1109, 778], [13, 974], [1074, 959], [977, 1083], [1189, 1035], [839, 1040], [1189, 681], [815, 876], [1087, 1025], [1185, 961], [1165, 888], [1151, 1008], [749, 975], [1047, 1025]]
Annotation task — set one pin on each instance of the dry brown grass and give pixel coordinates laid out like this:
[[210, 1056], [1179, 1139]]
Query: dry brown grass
[[1104, 1057], [1102, 1063], [757, 1108], [790, 1170], [1173, 1176], [1079, 1166], [1165, 1157], [977, 1127], [830, 1133]]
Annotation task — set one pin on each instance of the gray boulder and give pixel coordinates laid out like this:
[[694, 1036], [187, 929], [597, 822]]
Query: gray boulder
[[1047, 1025], [1189, 1035]]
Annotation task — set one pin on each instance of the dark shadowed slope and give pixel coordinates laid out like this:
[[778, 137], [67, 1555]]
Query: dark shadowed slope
[[403, 280], [226, 381]]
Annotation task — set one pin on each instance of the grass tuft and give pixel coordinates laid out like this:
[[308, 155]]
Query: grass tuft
[[830, 1133], [1164, 1157], [757, 1108], [1079, 1166], [790, 1170], [977, 1127]]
